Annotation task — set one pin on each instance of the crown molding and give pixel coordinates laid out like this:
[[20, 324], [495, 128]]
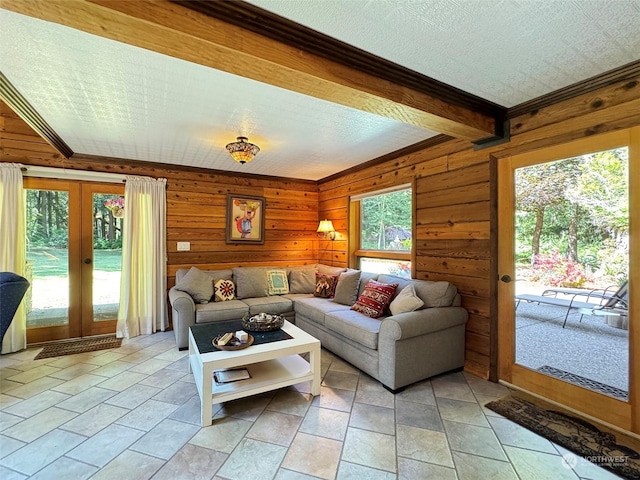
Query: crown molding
[[16, 101], [630, 71]]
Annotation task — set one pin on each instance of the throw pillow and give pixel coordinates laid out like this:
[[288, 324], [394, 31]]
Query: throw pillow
[[325, 285], [375, 298], [347, 287], [224, 290], [197, 284], [251, 282], [277, 282], [405, 301], [302, 281]]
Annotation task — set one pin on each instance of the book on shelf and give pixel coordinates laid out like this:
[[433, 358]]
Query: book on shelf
[[231, 375]]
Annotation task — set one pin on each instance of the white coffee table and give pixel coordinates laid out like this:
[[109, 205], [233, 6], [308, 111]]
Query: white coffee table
[[271, 365]]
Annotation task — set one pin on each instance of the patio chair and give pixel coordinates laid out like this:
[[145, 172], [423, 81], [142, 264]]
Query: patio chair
[[618, 302], [615, 303], [12, 290]]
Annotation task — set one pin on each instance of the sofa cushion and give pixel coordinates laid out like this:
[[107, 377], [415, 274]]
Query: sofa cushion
[[325, 285], [314, 308], [213, 274], [217, 311], [224, 290], [277, 282], [274, 304], [330, 270], [347, 287], [375, 298], [302, 280], [435, 294], [197, 284], [406, 301], [364, 279], [297, 296], [250, 282], [401, 281], [354, 326]]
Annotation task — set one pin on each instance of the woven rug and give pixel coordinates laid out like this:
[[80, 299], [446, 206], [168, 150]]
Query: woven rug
[[585, 382], [608, 449], [79, 346]]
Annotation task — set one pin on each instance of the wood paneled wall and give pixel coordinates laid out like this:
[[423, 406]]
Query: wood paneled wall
[[455, 218], [196, 204]]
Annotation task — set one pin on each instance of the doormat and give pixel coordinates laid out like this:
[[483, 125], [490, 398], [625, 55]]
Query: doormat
[[607, 449], [585, 382], [79, 346]]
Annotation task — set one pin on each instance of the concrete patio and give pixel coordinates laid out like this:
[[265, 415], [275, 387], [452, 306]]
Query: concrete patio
[[590, 349]]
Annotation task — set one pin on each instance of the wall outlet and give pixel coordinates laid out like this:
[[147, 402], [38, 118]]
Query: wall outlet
[[184, 246]]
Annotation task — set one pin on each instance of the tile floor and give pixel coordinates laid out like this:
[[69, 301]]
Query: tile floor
[[133, 413]]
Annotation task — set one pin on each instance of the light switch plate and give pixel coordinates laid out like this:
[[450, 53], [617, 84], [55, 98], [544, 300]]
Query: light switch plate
[[184, 246]]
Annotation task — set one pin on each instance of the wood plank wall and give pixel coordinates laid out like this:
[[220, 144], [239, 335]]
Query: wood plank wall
[[453, 184], [454, 199], [196, 204]]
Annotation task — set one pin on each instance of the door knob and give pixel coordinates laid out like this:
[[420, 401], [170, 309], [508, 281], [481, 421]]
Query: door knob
[[87, 261], [505, 278]]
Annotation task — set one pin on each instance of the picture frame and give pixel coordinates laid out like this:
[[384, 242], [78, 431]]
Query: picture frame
[[245, 219]]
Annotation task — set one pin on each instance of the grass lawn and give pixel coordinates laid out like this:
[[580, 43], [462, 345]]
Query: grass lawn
[[54, 262]]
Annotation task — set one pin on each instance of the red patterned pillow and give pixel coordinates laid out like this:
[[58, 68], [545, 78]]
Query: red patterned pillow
[[375, 298], [325, 285]]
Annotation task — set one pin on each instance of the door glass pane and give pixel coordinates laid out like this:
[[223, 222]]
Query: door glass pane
[[108, 216], [47, 301], [572, 264]]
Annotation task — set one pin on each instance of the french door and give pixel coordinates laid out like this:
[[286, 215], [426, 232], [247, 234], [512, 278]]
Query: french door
[[74, 246], [562, 213]]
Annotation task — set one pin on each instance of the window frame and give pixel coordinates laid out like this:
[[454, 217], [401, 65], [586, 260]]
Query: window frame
[[355, 221]]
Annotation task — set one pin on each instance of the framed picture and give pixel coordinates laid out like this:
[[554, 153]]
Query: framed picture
[[245, 219]]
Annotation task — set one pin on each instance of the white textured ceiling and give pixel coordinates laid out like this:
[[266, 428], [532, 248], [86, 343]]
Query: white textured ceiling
[[505, 51], [110, 99]]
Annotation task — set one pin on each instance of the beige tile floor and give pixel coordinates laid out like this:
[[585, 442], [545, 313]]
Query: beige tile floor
[[133, 413]]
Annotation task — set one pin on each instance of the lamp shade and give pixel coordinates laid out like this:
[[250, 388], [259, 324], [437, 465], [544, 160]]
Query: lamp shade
[[242, 151], [325, 227]]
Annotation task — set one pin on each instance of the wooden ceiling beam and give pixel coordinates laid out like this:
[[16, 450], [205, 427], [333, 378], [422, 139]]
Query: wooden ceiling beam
[[183, 33]]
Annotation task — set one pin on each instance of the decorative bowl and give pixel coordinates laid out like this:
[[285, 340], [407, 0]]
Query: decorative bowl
[[233, 345], [262, 322]]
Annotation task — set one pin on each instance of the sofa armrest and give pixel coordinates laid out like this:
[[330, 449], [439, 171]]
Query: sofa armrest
[[184, 315], [422, 322], [417, 345]]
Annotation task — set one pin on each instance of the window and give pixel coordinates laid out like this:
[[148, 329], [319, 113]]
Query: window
[[382, 228]]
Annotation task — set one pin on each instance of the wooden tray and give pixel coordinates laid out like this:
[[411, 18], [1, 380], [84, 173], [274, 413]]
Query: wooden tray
[[240, 346]]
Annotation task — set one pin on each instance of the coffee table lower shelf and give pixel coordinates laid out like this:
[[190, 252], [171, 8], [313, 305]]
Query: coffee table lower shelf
[[265, 376]]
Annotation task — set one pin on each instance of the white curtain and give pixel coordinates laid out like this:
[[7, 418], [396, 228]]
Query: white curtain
[[13, 246], [143, 285]]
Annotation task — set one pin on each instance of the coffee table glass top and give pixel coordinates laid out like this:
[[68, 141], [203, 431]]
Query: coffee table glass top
[[204, 333]]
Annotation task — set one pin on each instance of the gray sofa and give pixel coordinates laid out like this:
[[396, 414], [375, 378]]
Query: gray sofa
[[396, 349]]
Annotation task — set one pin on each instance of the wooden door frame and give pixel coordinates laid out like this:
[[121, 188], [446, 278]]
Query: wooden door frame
[[73, 328], [602, 407], [89, 327], [80, 239]]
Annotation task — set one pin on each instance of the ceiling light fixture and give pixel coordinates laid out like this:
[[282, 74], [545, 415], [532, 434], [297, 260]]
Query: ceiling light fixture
[[242, 151]]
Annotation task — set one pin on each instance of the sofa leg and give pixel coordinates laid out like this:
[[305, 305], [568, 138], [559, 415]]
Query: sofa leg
[[183, 348]]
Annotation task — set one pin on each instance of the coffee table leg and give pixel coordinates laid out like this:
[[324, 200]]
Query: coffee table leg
[[314, 362], [206, 400]]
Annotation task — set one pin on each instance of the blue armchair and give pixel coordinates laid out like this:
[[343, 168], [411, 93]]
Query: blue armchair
[[12, 289]]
